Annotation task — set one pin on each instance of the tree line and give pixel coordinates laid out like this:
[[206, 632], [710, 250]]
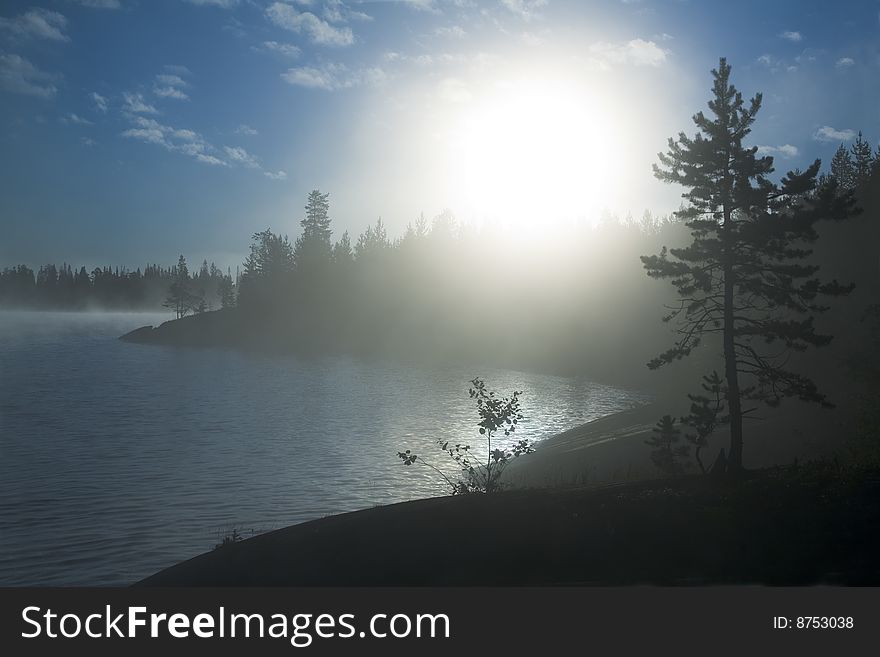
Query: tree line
[[445, 289], [852, 167], [61, 287]]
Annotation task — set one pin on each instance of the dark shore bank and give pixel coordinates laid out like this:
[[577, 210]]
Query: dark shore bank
[[781, 526], [210, 329]]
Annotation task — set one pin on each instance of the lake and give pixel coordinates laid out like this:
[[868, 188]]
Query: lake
[[118, 459]]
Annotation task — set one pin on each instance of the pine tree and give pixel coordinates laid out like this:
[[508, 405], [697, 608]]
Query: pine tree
[[373, 241], [744, 277], [313, 246], [82, 287], [179, 297], [342, 253], [667, 453], [317, 221], [707, 413], [267, 271], [862, 160], [842, 169], [415, 231], [226, 290]]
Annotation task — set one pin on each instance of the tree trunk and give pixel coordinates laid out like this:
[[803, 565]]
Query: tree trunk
[[699, 460], [734, 406], [734, 457]]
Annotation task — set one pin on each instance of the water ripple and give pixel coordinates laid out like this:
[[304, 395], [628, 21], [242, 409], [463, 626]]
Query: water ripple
[[117, 459]]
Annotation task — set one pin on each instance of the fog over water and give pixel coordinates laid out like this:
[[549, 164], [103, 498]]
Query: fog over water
[[117, 459]]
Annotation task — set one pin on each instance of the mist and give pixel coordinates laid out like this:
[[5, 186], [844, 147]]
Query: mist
[[529, 385]]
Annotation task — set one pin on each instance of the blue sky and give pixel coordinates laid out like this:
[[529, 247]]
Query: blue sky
[[134, 130]]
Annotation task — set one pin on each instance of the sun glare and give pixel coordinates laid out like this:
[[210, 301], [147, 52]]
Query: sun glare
[[536, 152]]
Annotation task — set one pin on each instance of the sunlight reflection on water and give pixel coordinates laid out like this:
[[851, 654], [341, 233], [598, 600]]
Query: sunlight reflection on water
[[117, 460]]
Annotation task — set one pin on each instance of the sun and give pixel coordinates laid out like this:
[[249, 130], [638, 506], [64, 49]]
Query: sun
[[533, 152]]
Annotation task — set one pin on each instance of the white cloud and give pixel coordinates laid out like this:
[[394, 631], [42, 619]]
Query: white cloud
[[327, 77], [286, 49], [210, 159], [100, 102], [525, 9], [184, 141], [87, 141], [19, 76], [150, 131], [785, 150], [177, 69], [422, 5], [845, 62], [99, 4], [317, 29], [172, 80], [226, 4], [794, 37], [135, 104], [75, 119], [827, 133], [179, 140], [38, 24], [775, 65], [421, 60], [637, 52], [168, 85], [332, 77], [240, 156], [337, 11], [186, 135], [450, 32], [170, 92], [191, 144]]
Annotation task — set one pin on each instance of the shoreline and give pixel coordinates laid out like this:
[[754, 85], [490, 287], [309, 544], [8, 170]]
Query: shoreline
[[814, 526], [578, 485], [228, 330], [612, 448]]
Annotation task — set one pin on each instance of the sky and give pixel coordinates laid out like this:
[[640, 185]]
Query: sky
[[134, 130]]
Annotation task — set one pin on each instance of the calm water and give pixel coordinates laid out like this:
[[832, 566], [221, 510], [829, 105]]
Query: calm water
[[117, 460]]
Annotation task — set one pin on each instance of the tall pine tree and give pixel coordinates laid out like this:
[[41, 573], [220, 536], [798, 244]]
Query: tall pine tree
[[862, 160], [267, 271], [317, 220], [313, 247], [842, 168], [744, 278], [181, 298]]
